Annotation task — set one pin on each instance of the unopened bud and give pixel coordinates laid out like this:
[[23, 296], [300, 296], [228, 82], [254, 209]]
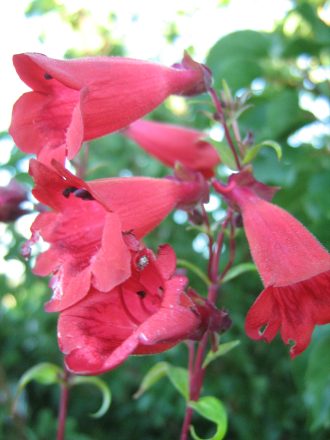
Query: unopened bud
[[11, 197]]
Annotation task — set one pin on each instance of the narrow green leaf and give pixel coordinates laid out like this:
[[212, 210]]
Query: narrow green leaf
[[44, 373], [197, 271], [156, 372], [238, 270], [211, 409], [102, 386], [222, 349], [178, 377], [226, 91], [254, 151], [225, 153]]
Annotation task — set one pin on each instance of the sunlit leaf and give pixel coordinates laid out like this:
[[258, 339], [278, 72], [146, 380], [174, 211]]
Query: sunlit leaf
[[237, 58], [102, 386], [211, 409]]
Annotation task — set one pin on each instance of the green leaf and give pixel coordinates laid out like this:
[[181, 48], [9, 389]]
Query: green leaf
[[254, 151], [211, 409], [222, 350], [236, 58], [44, 373], [225, 153], [102, 386], [156, 372], [178, 377], [40, 7], [238, 270], [317, 383], [195, 269], [320, 29]]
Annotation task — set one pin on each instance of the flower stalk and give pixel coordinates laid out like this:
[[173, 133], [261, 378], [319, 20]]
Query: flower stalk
[[63, 405]]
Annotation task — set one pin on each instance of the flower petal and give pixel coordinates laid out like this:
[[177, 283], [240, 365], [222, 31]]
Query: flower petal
[[112, 264], [294, 309]]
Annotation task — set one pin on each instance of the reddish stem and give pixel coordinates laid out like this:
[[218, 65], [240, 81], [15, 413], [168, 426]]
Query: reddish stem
[[196, 371], [217, 254], [232, 251], [210, 237], [63, 406], [189, 411], [221, 116]]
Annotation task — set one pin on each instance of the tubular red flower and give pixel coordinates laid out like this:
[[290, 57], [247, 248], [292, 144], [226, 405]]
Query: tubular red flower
[[147, 314], [294, 267], [82, 99], [94, 226], [173, 143]]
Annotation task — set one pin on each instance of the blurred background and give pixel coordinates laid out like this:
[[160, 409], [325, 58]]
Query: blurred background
[[280, 51]]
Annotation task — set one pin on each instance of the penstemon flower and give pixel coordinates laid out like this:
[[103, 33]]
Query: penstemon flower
[[293, 265], [77, 100], [93, 226], [173, 143], [147, 314]]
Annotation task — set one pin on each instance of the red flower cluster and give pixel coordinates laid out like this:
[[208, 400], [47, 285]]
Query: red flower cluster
[[93, 226], [293, 265], [115, 297]]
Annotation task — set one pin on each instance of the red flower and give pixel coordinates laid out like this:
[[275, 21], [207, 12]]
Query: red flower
[[147, 314], [11, 197], [77, 100], [93, 226], [171, 143], [293, 265]]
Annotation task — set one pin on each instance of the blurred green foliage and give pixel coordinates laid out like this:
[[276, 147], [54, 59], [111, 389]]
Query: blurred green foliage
[[267, 396]]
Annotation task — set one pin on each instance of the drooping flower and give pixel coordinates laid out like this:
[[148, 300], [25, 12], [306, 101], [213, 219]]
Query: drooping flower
[[149, 313], [11, 198], [294, 267], [173, 143], [93, 226], [82, 99]]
